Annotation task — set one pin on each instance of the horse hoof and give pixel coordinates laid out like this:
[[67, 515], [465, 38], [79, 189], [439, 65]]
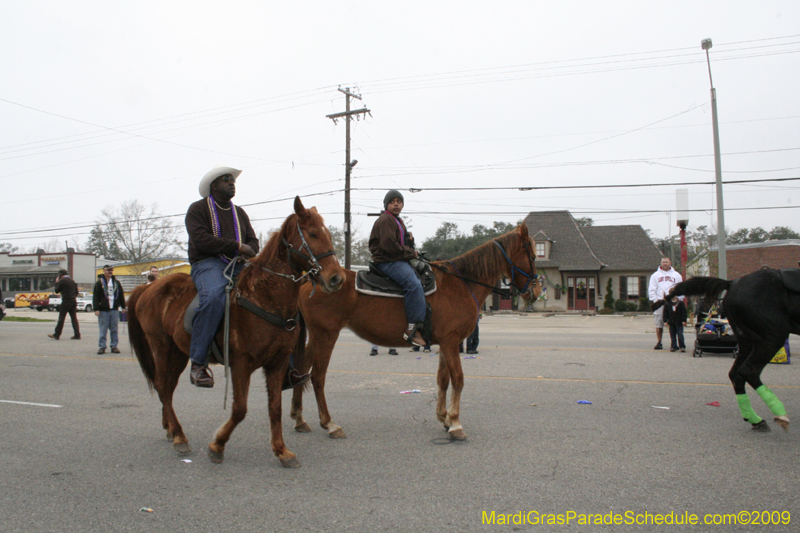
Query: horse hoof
[[337, 433], [783, 421], [762, 426], [303, 428], [290, 462], [458, 434], [182, 448], [216, 457]]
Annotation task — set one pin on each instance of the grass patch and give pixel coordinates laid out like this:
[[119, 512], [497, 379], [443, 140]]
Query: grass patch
[[25, 319]]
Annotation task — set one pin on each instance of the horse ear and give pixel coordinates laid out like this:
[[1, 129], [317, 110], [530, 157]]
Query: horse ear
[[523, 229], [299, 208]]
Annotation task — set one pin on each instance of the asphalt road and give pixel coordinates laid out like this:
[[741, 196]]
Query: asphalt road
[[87, 452]]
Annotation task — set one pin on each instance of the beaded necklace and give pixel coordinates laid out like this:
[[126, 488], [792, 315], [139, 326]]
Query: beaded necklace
[[212, 208]]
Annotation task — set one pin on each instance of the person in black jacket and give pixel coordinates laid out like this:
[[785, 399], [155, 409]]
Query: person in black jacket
[[107, 300], [68, 289], [676, 316]]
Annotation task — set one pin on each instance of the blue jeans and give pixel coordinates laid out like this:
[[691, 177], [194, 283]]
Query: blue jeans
[[108, 321], [676, 336], [210, 282], [472, 340], [403, 273]]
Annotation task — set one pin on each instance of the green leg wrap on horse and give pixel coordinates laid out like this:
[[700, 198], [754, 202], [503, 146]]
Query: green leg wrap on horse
[[747, 409], [772, 401]]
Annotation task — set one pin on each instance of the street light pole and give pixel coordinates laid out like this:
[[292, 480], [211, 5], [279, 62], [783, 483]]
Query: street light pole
[[722, 261]]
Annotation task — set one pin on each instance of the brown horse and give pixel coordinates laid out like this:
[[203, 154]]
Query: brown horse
[[271, 282], [461, 285]]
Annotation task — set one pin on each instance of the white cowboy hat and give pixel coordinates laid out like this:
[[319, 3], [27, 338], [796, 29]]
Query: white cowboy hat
[[214, 173]]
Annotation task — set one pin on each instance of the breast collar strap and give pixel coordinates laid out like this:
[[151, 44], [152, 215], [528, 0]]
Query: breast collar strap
[[287, 324]]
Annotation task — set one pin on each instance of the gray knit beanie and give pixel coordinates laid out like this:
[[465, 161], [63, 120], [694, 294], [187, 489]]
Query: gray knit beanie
[[390, 196]]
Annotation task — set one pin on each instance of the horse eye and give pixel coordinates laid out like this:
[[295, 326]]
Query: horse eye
[[312, 235]]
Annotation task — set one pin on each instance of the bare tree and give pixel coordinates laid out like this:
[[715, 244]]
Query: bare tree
[[137, 232]]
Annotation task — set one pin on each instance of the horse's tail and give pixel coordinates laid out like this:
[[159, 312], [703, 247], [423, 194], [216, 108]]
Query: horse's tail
[[138, 339], [701, 285]]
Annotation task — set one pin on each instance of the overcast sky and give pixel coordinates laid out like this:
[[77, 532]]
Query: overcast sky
[[107, 101]]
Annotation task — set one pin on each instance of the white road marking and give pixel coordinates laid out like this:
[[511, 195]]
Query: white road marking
[[29, 403]]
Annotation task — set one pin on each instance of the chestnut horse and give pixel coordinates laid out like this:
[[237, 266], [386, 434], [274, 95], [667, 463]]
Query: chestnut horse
[[271, 282], [462, 284]]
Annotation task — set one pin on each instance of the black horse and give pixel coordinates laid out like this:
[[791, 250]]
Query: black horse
[[763, 308]]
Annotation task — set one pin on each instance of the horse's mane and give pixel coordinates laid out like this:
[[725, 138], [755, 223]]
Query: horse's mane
[[486, 260], [270, 251]]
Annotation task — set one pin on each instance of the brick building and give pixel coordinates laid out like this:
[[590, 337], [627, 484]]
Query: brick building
[[746, 258]]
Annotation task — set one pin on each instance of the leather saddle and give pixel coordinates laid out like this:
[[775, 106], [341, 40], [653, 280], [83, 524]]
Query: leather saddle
[[790, 278], [375, 283]]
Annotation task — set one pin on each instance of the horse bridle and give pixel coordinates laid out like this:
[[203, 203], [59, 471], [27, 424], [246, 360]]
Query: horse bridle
[[310, 259], [516, 270]]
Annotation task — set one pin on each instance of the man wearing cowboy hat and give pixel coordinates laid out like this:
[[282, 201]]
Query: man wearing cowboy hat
[[219, 233]]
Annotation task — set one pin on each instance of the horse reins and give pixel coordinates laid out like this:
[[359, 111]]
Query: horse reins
[[514, 269]]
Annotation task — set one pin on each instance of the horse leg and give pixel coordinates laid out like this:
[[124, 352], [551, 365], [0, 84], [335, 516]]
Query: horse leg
[[240, 376], [449, 353], [751, 372], [443, 380], [320, 349], [168, 372], [274, 382]]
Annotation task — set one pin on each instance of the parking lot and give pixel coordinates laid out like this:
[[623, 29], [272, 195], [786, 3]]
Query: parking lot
[[83, 448]]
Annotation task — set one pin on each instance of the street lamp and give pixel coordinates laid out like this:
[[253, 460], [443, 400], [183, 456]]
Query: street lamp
[[723, 264]]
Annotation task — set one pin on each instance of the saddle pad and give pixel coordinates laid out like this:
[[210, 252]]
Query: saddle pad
[[375, 285], [791, 278]]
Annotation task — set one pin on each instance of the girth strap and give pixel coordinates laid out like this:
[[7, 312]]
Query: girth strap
[[287, 324]]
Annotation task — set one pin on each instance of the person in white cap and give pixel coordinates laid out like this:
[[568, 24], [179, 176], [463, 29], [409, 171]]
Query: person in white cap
[[219, 233], [661, 282]]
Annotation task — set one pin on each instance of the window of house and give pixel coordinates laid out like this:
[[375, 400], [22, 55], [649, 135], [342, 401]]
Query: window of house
[[633, 287], [539, 249]]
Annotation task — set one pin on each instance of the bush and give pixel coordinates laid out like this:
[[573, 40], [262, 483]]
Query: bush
[[624, 306], [609, 301], [644, 304], [605, 311]]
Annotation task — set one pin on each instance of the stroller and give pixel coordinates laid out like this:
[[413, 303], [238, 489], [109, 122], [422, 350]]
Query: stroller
[[714, 334]]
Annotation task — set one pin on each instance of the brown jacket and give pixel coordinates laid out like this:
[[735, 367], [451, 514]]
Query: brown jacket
[[202, 242], [67, 288], [384, 241]]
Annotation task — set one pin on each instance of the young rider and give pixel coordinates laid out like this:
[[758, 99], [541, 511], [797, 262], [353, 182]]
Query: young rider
[[392, 246]]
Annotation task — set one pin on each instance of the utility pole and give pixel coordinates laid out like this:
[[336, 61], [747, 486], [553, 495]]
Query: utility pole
[[348, 165], [705, 44]]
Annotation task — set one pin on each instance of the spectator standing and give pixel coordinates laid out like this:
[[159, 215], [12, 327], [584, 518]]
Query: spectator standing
[[107, 300], [68, 289], [374, 350], [472, 340], [152, 275], [661, 282], [675, 315]]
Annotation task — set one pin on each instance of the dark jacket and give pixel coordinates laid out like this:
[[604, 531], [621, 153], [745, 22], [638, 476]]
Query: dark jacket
[[384, 240], [68, 289], [100, 297], [676, 315], [202, 242]]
